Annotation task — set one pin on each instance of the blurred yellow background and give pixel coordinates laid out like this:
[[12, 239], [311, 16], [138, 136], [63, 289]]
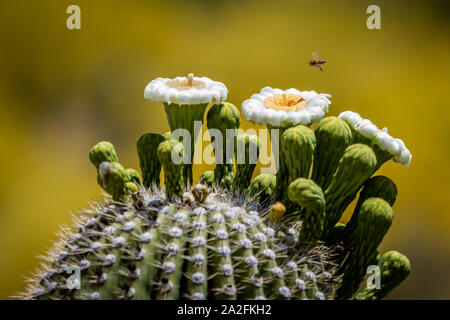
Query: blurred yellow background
[[62, 91]]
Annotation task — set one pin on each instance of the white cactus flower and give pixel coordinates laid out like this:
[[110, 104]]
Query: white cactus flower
[[285, 108], [186, 90], [380, 137]]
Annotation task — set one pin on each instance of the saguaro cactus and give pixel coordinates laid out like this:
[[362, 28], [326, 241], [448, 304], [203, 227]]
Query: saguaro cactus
[[230, 237]]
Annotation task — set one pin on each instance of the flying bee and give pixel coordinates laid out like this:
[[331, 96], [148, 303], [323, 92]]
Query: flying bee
[[316, 61]]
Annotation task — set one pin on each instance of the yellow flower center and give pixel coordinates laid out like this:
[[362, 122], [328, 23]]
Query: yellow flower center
[[186, 83], [285, 102]]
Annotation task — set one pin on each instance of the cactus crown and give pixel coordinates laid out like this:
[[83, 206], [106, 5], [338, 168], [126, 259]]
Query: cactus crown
[[231, 237]]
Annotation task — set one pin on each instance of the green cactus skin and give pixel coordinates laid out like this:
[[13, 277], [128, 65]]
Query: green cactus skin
[[224, 117], [173, 173], [183, 117], [207, 178], [376, 187], [333, 135], [355, 167], [147, 146], [155, 249], [103, 151], [308, 195], [373, 221], [394, 268], [244, 169], [263, 187]]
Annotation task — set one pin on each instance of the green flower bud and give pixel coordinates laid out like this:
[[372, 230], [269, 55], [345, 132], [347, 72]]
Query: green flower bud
[[248, 147], [147, 146], [131, 187], [298, 144], [207, 178], [394, 268], [132, 175], [263, 186], [333, 136], [355, 167], [173, 172], [113, 179], [374, 219], [307, 194], [224, 117], [376, 187], [103, 151]]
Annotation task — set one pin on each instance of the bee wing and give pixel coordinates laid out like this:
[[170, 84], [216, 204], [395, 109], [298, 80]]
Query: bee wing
[[316, 55]]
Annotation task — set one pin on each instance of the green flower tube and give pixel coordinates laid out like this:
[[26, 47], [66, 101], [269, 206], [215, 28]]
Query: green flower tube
[[147, 146], [185, 100], [394, 268], [307, 194], [223, 120], [376, 187], [170, 154], [247, 151], [355, 167], [333, 136], [184, 117], [374, 219]]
